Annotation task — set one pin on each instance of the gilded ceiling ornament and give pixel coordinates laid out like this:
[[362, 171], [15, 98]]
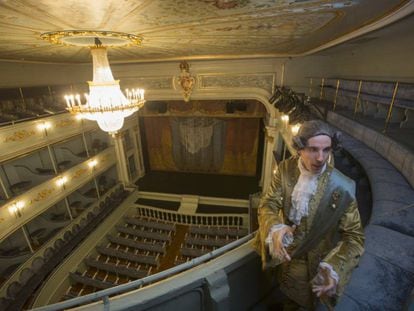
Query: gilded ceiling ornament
[[87, 38], [228, 4], [186, 80]]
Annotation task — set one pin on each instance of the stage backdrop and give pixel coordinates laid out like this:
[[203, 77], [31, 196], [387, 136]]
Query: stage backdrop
[[203, 144]]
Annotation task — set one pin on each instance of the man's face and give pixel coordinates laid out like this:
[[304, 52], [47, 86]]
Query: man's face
[[316, 153]]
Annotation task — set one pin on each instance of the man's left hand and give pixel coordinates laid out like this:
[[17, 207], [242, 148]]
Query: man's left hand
[[324, 284]]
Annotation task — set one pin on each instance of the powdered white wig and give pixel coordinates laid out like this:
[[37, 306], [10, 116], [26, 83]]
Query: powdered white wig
[[314, 128]]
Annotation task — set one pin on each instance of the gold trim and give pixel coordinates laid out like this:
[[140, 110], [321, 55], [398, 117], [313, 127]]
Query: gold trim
[[65, 123], [79, 173], [94, 110], [56, 37], [20, 135], [394, 94], [357, 98], [45, 193]]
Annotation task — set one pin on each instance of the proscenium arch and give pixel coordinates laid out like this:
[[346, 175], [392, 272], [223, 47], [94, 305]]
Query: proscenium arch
[[255, 93]]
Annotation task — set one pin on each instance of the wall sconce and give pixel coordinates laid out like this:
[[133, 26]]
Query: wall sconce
[[15, 208], [295, 129], [61, 181], [285, 120], [92, 163], [44, 126]]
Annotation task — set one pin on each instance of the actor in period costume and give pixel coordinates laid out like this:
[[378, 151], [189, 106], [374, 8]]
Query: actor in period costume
[[309, 224]]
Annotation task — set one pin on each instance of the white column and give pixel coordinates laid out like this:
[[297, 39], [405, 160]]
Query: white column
[[270, 143], [122, 166], [138, 149]]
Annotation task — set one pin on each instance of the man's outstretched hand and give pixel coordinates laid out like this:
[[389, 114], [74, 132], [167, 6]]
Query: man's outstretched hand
[[277, 237], [323, 284]]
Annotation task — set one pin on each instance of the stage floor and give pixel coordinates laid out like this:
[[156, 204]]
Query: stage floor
[[223, 186]]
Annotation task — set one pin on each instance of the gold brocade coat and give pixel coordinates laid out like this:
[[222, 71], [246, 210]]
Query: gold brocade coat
[[340, 247]]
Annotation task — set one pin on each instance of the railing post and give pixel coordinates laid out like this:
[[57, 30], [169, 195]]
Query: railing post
[[22, 96], [322, 85], [336, 95], [105, 300], [310, 87], [357, 98], [387, 120]]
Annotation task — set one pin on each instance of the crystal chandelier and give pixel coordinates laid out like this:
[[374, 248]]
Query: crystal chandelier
[[105, 102]]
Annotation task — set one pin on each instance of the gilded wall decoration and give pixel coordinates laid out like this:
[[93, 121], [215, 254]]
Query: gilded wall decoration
[[65, 123], [79, 173], [186, 81], [237, 81], [105, 158], [19, 135], [42, 195]]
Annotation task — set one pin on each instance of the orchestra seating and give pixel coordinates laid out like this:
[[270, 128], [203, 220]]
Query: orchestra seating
[[134, 252], [200, 240]]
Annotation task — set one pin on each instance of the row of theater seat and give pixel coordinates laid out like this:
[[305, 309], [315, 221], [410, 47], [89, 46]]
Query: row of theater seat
[[200, 240], [20, 291], [132, 253], [30, 108]]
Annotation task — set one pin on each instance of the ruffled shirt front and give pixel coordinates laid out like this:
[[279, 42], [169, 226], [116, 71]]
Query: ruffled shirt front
[[304, 189]]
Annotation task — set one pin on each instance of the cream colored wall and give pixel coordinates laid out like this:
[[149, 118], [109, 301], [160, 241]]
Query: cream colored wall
[[384, 55]]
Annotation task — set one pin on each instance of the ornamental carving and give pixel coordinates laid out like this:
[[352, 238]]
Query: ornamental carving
[[80, 172], [43, 195], [65, 123], [148, 83], [186, 81], [19, 135], [264, 81]]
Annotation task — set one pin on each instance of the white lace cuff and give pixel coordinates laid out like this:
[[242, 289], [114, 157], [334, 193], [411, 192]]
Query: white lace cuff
[[269, 240]]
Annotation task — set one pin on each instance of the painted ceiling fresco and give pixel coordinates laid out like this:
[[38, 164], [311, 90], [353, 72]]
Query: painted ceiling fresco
[[190, 29]]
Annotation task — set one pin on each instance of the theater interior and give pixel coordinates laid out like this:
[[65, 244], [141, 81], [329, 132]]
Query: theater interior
[[143, 194]]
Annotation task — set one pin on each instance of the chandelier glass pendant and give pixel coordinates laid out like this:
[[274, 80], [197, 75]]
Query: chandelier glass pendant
[[105, 102]]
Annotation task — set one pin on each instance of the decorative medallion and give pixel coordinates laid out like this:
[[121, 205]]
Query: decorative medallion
[[186, 80], [88, 38]]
